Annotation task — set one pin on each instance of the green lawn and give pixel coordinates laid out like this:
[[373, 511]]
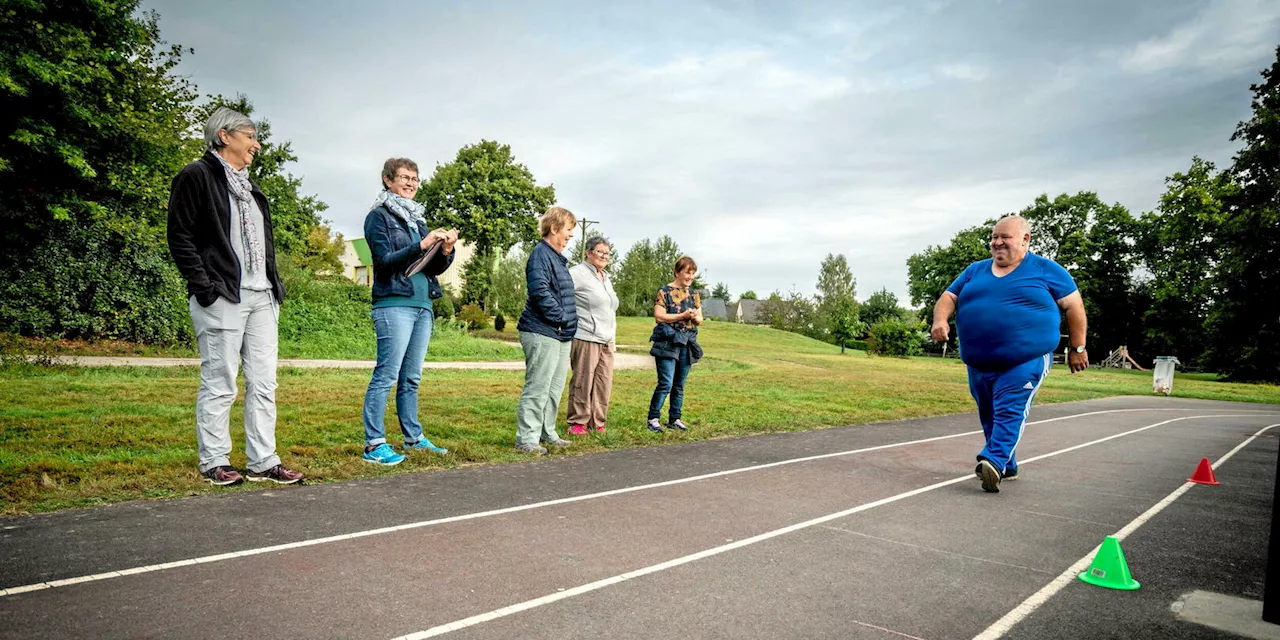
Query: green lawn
[[445, 347], [73, 437]]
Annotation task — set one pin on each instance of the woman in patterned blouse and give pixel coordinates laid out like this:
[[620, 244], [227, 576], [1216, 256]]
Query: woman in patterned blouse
[[678, 312]]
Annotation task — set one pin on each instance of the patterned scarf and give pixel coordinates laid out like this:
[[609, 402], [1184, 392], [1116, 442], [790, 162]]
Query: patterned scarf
[[242, 192], [408, 210]]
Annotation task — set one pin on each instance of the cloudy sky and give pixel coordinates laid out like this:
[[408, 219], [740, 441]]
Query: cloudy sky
[[760, 135]]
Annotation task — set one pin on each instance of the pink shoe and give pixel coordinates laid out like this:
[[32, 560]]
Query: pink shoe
[[577, 429], [600, 429]]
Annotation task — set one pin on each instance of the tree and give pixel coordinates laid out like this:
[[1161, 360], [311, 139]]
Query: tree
[[645, 269], [323, 253], [1179, 248], [748, 295], [477, 279], [882, 305], [1096, 243], [1244, 321], [795, 313], [91, 139], [845, 324], [490, 198], [721, 291], [931, 271], [508, 291], [494, 203], [836, 289]]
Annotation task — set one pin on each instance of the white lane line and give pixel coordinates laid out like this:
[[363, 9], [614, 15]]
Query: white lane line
[[745, 542], [536, 505], [896, 633], [1035, 600]]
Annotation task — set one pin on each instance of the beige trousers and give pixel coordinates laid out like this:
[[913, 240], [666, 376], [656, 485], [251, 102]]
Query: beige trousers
[[592, 364]]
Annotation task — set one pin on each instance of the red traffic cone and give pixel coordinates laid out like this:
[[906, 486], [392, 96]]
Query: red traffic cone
[[1203, 474]]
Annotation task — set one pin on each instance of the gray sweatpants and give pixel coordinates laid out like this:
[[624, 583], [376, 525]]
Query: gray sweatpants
[[546, 362], [230, 334]]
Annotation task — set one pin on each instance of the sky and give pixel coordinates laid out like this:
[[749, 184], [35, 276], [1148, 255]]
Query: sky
[[761, 136]]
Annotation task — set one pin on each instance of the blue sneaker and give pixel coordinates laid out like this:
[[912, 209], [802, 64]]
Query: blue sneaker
[[384, 455], [425, 445]]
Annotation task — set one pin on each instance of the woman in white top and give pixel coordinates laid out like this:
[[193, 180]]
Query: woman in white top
[[591, 355]]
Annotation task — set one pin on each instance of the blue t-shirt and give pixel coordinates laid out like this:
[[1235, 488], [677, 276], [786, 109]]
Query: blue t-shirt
[[1005, 321]]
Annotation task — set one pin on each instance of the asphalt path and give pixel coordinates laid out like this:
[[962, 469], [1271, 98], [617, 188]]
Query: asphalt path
[[874, 531]]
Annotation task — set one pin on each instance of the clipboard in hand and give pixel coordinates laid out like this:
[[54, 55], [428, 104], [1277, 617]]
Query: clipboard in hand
[[420, 263]]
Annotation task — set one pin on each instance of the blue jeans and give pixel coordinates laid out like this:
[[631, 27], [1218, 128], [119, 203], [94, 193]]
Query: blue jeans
[[1004, 399], [403, 335], [671, 376]]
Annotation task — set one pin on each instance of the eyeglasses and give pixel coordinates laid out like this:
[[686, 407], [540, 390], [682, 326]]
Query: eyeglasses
[[248, 133], [601, 254], [407, 179]]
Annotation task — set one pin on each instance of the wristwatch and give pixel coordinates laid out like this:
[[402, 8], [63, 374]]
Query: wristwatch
[[1079, 349]]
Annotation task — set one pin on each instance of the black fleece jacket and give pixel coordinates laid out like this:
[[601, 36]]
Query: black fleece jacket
[[200, 233]]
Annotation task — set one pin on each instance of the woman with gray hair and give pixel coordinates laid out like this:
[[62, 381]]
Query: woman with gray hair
[[221, 238], [591, 356]]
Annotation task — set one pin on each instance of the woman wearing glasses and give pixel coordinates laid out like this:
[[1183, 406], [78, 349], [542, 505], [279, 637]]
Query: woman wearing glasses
[[591, 355], [402, 311]]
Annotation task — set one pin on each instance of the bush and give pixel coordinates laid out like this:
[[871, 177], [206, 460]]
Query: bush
[[449, 327], [92, 280], [324, 318], [474, 316], [443, 306], [499, 322], [895, 337]]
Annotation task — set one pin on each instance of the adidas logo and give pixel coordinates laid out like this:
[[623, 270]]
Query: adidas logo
[[1029, 386]]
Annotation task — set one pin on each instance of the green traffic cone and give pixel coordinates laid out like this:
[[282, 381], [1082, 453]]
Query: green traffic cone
[[1109, 570]]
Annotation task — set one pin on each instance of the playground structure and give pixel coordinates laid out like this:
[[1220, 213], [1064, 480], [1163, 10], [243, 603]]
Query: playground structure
[[1120, 359]]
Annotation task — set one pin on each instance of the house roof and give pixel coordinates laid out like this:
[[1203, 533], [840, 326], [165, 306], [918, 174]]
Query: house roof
[[752, 311], [714, 308], [361, 247]]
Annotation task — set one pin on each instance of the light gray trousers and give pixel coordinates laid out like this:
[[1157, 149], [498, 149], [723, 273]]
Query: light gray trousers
[[546, 362], [230, 334]]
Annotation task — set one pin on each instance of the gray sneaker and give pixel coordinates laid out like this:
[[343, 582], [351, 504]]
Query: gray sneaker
[[531, 448], [559, 442], [987, 473]]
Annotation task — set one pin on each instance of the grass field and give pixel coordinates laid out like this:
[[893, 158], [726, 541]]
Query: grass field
[[72, 437], [445, 347]]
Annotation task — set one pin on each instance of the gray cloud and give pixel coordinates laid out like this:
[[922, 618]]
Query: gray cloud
[[760, 136]]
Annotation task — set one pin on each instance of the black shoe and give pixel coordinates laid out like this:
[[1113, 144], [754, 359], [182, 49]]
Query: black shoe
[[678, 425], [987, 473], [654, 425], [1010, 473]]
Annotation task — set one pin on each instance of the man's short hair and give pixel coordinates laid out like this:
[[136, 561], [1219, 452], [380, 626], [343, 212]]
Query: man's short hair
[[556, 219], [1024, 225]]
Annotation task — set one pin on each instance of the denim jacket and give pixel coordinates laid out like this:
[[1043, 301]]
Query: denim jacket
[[393, 250], [550, 309]]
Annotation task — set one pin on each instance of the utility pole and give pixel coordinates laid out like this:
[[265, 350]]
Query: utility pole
[[582, 242]]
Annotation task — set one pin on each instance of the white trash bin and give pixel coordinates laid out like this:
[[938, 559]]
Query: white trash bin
[[1162, 379]]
